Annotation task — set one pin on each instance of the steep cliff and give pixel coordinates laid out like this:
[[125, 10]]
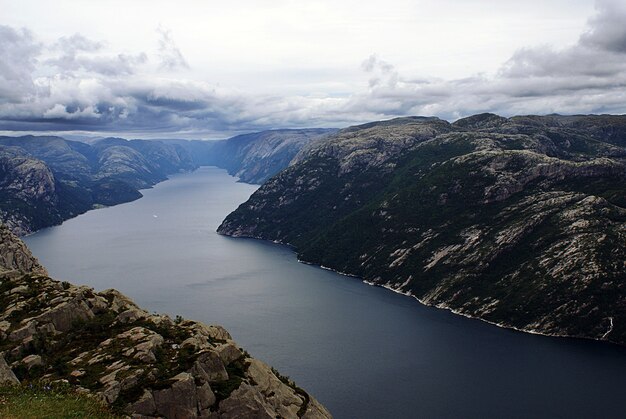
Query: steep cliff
[[255, 157], [519, 221], [141, 364]]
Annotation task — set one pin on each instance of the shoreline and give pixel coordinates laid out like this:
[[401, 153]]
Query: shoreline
[[440, 306], [100, 206]]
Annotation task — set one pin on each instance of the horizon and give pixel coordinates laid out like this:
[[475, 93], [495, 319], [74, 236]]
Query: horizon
[[89, 137]]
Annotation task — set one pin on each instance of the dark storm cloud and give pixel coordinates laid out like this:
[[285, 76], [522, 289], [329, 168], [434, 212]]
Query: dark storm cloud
[[91, 90], [608, 28]]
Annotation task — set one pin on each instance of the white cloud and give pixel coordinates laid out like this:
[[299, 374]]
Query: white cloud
[[169, 53]]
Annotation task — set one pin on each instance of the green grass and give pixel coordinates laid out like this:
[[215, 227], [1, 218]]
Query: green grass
[[39, 402]]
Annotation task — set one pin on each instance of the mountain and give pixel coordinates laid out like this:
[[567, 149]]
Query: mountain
[[140, 364], [255, 157], [517, 221], [45, 180]]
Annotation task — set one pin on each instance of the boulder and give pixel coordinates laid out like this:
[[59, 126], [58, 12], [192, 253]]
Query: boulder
[[209, 367], [131, 315], [145, 405], [178, 401], [7, 377], [228, 352], [32, 361], [245, 402]]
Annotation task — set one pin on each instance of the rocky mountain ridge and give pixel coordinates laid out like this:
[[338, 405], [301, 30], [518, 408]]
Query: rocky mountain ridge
[[141, 364], [518, 221]]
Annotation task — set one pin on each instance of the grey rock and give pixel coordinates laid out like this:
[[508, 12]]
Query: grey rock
[[7, 377]]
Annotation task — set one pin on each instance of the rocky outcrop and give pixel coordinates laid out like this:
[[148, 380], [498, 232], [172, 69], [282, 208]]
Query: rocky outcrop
[[518, 221], [141, 364], [15, 256], [45, 180]]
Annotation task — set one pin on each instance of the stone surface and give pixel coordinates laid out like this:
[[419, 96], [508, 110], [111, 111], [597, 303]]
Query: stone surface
[[7, 377]]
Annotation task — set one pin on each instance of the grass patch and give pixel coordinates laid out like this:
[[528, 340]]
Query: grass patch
[[34, 402]]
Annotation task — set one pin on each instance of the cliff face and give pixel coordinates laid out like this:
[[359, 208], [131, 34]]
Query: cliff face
[[255, 157], [520, 221], [45, 180], [142, 364], [15, 256]]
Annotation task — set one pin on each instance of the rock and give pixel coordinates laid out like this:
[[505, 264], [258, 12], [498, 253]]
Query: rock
[[205, 397], [7, 377], [14, 255], [209, 367], [145, 405], [281, 397], [228, 352], [316, 411], [32, 361], [131, 315], [246, 402], [111, 392], [65, 314], [178, 401], [196, 342], [23, 332], [212, 332]]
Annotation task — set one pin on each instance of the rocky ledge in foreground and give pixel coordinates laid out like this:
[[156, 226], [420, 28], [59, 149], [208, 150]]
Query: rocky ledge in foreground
[[141, 364]]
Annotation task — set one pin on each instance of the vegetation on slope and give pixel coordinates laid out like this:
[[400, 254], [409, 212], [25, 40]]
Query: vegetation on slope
[[518, 221]]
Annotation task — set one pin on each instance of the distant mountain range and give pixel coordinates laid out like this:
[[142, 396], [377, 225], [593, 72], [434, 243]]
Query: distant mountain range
[[45, 180], [518, 221], [256, 157]]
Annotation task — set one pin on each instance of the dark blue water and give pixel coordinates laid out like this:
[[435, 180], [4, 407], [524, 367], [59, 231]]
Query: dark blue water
[[363, 351]]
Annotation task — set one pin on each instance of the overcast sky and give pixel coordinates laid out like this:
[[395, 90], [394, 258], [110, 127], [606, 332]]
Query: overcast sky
[[203, 69]]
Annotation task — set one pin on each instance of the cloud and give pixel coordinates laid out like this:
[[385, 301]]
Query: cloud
[[78, 53], [76, 83], [608, 29], [382, 72], [18, 59], [170, 55]]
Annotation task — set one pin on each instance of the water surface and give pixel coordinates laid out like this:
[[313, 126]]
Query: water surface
[[363, 351]]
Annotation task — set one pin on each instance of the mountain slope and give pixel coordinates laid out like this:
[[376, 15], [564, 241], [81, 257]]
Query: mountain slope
[[255, 157], [520, 221], [45, 180], [139, 363]]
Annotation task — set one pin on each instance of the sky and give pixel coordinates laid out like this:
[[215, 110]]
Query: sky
[[208, 69]]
